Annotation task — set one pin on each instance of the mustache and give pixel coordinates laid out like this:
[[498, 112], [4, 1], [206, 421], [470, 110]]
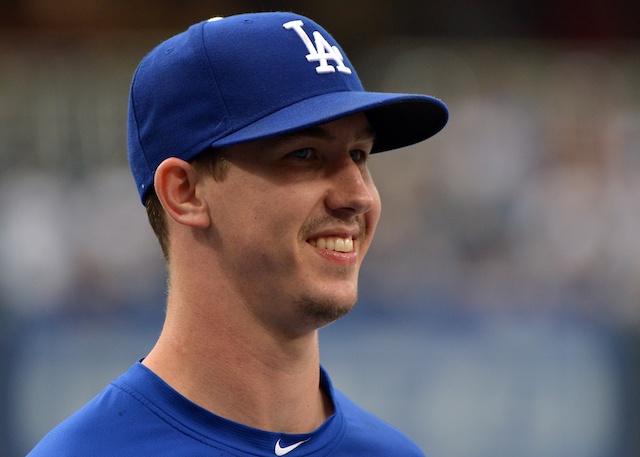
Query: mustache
[[321, 222]]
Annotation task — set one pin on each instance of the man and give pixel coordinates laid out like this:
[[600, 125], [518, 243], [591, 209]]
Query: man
[[248, 140]]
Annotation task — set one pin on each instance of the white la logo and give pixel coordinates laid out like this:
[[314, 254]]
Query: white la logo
[[322, 52]]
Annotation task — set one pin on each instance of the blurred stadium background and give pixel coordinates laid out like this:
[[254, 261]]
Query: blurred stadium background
[[500, 307]]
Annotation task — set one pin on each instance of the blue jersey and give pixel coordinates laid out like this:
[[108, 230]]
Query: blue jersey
[[138, 414]]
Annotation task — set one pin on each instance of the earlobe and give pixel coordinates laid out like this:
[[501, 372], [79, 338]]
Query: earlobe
[[176, 184]]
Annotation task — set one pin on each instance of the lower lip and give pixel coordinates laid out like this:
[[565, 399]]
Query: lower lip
[[345, 258]]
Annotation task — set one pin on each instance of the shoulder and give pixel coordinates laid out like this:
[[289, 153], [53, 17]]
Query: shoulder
[[139, 415], [114, 420], [91, 428], [369, 435], [75, 433]]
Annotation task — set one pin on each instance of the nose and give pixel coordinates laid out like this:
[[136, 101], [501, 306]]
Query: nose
[[351, 191]]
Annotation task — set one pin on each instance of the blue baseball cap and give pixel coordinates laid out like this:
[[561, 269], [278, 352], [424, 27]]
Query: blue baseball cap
[[248, 77]]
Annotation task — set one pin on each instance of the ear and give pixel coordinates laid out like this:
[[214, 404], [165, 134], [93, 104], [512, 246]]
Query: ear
[[176, 183]]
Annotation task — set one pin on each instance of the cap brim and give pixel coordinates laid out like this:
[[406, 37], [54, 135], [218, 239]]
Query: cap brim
[[398, 119]]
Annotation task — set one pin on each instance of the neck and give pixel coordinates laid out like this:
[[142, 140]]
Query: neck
[[227, 363]]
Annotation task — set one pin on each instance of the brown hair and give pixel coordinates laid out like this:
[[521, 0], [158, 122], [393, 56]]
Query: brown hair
[[211, 162]]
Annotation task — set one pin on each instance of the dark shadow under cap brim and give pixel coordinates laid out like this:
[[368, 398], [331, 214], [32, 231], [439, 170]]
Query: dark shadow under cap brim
[[407, 122], [398, 120]]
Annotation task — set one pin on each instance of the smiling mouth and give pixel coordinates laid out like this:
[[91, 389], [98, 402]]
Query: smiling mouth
[[333, 244]]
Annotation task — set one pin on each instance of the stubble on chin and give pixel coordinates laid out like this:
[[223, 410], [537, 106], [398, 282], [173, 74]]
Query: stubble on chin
[[319, 312]]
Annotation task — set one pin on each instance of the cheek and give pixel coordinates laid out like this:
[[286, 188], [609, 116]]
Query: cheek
[[270, 217], [371, 219], [373, 215]]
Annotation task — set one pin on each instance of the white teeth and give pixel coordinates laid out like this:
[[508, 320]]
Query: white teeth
[[334, 244]]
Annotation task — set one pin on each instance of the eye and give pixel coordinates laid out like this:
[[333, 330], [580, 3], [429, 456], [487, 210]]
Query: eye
[[305, 153], [358, 156]]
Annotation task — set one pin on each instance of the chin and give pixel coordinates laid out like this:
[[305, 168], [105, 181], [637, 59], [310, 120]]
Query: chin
[[318, 312]]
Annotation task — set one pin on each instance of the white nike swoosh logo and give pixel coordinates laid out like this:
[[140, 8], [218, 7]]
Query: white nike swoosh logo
[[285, 450]]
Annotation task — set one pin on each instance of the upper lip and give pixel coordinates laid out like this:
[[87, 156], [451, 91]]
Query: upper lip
[[335, 232]]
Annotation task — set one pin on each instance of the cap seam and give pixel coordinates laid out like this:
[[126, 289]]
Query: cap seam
[[138, 135], [214, 80]]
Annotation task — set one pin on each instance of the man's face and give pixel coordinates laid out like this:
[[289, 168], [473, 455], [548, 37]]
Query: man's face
[[292, 222]]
